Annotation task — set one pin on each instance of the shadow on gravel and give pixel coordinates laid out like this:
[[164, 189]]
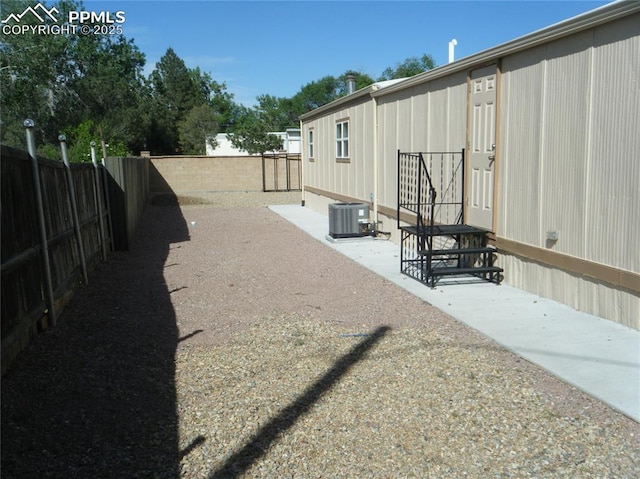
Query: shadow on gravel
[[259, 445], [95, 396]]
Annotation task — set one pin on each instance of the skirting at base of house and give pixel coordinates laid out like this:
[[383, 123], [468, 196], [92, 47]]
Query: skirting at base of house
[[580, 292], [590, 270]]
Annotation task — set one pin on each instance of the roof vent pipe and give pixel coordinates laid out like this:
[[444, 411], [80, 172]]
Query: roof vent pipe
[[452, 45], [351, 84]]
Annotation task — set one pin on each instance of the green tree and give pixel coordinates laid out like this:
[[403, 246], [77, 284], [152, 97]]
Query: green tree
[[318, 93], [62, 80], [200, 125], [410, 67], [110, 88], [222, 103], [252, 133], [311, 96], [34, 74], [271, 113], [79, 140], [174, 94], [176, 91], [174, 86]]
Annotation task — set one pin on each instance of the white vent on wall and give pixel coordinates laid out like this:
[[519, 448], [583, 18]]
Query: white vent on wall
[[347, 220]]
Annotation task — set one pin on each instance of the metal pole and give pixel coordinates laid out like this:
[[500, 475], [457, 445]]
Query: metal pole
[[99, 200], [106, 185], [108, 200], [303, 149], [44, 245], [398, 195], [74, 208], [452, 45], [462, 209]]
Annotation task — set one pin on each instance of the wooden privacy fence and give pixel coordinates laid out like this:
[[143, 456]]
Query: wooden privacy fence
[[128, 192], [58, 221]]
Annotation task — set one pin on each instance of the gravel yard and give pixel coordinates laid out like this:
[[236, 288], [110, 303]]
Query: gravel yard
[[228, 343]]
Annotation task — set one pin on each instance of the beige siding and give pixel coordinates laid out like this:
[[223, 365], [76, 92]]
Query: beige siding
[[353, 179], [388, 140], [570, 134], [427, 117], [614, 160], [569, 163], [520, 181], [576, 291]]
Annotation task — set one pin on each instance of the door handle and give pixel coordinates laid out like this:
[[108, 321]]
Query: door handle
[[492, 158]]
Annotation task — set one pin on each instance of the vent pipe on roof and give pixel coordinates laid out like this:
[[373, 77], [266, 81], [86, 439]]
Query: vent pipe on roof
[[452, 45], [351, 84]]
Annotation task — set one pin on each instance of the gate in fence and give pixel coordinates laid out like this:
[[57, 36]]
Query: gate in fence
[[281, 172]]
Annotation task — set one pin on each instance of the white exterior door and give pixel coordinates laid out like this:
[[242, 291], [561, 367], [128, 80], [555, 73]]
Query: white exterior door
[[482, 139]]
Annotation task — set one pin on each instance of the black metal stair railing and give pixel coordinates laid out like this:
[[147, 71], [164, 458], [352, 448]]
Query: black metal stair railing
[[430, 208], [424, 177], [417, 195]]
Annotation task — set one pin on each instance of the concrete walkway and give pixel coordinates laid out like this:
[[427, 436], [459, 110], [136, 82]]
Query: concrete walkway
[[597, 356]]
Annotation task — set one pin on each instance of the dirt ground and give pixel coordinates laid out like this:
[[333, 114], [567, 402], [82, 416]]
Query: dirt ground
[[228, 343]]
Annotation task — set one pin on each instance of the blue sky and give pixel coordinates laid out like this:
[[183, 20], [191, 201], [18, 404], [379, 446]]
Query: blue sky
[[276, 47]]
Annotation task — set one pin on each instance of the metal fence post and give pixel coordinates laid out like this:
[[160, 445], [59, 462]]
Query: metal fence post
[[107, 197], [99, 200], [44, 245], [74, 208]]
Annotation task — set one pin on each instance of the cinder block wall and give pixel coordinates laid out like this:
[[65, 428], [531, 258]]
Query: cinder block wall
[[179, 174]]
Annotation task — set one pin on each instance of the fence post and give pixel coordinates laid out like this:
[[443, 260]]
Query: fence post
[[106, 185], [287, 171], [44, 245], [107, 196], [96, 168], [74, 208]]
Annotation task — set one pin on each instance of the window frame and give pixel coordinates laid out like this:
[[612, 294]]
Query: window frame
[[342, 141], [311, 144]]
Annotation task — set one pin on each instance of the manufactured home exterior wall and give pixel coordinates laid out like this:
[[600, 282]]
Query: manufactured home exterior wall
[[570, 127], [567, 157], [428, 117], [569, 163], [352, 180]]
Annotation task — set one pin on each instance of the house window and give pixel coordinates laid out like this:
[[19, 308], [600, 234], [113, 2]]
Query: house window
[[311, 153], [342, 139]]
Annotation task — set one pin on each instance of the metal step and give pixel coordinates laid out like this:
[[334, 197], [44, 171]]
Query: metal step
[[458, 251], [444, 230], [444, 271], [430, 265]]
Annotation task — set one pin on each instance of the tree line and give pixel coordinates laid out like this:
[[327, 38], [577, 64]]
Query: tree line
[[92, 88]]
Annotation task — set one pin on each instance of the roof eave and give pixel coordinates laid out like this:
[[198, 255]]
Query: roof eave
[[344, 99], [366, 91]]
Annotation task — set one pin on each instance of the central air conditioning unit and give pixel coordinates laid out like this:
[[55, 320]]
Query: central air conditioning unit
[[348, 220]]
